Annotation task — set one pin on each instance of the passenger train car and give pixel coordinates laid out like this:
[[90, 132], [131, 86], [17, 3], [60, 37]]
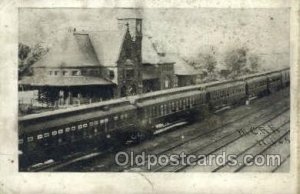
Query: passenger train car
[[274, 81], [134, 118], [67, 130], [256, 85], [220, 94], [169, 108]]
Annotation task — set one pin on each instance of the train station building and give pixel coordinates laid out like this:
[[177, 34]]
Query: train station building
[[90, 66]]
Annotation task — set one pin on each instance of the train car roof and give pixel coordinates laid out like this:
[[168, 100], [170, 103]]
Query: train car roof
[[168, 92], [218, 83], [147, 102], [58, 122], [75, 109], [263, 73]]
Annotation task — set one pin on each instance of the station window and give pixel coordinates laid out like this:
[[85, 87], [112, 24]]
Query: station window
[[77, 72], [65, 73], [129, 73], [111, 74], [60, 131], [54, 133], [67, 129], [30, 139], [39, 136], [84, 72], [46, 134]]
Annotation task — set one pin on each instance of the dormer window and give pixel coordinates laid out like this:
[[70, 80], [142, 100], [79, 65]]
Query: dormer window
[[55, 72], [50, 72]]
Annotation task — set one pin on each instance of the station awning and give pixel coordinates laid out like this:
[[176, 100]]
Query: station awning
[[63, 81]]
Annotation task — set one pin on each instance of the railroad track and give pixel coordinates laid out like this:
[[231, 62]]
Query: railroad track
[[284, 161], [265, 149], [256, 149], [217, 145], [202, 134]]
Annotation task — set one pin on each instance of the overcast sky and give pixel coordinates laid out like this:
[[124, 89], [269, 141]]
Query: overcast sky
[[186, 31]]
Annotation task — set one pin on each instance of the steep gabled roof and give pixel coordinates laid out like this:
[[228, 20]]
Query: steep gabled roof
[[149, 54], [152, 53], [74, 50], [181, 67], [107, 45]]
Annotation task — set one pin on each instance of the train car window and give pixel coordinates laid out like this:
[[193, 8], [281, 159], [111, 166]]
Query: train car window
[[91, 123], [54, 133], [29, 139], [116, 118], [85, 125], [176, 105], [60, 131], [79, 126], [39, 136], [106, 120], [46, 134], [153, 111], [21, 141], [73, 128], [67, 129]]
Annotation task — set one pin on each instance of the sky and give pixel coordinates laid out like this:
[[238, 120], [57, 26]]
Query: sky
[[186, 31]]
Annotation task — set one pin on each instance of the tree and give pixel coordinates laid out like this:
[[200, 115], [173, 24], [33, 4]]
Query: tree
[[254, 63], [236, 60], [28, 56], [23, 51], [210, 63]]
